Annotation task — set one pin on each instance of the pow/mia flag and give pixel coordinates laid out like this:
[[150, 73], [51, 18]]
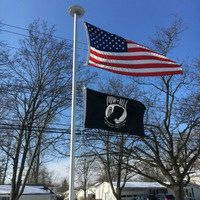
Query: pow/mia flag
[[114, 113]]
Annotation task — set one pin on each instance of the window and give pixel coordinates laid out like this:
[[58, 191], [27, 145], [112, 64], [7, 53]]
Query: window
[[189, 192], [4, 198], [127, 195], [52, 197], [157, 191]]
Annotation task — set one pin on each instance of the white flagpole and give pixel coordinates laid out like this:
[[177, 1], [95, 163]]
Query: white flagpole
[[74, 11]]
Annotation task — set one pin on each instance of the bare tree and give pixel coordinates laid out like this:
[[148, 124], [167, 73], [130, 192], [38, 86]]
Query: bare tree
[[4, 53], [6, 161], [172, 143], [39, 91], [64, 186], [4, 105], [112, 158], [84, 172], [109, 147]]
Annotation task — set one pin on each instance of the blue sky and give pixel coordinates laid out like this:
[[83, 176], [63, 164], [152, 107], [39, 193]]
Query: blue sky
[[132, 19]]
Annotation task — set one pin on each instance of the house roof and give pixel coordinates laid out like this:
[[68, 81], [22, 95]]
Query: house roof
[[36, 190], [90, 191], [141, 185]]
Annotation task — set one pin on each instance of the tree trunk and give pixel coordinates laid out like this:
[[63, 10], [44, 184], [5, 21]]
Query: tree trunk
[[37, 166], [178, 191], [14, 195], [5, 170], [118, 193]]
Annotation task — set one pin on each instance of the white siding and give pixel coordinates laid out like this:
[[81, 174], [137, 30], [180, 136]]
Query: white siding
[[196, 179], [38, 197], [193, 191], [80, 194], [104, 192], [30, 193], [32, 197]]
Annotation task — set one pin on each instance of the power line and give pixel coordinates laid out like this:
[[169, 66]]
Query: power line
[[86, 132], [12, 32], [17, 48], [25, 29], [51, 123], [6, 126]]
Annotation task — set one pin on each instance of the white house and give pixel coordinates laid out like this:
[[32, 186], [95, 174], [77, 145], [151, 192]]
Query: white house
[[104, 192], [89, 194], [193, 190], [30, 193]]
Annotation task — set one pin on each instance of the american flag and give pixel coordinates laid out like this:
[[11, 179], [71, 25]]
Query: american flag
[[116, 54]]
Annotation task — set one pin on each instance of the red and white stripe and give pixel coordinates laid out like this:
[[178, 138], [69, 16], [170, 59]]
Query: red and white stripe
[[138, 61]]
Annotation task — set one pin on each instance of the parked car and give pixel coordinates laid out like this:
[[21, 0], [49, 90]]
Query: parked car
[[144, 197], [165, 197]]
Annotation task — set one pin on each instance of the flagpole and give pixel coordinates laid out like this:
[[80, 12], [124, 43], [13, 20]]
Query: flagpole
[[74, 11]]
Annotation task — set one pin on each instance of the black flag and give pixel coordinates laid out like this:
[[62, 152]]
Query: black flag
[[114, 113]]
